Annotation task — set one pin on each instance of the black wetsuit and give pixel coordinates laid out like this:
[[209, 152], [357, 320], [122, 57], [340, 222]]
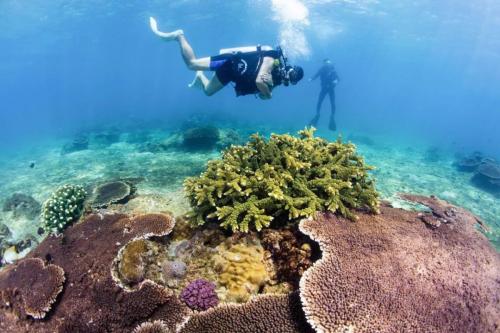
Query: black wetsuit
[[328, 76], [241, 68]]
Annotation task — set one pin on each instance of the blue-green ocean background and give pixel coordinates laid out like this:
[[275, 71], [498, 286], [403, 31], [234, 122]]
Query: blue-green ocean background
[[419, 84]]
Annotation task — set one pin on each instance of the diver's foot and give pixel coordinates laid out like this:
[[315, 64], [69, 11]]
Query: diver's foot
[[197, 82], [332, 126], [167, 36], [314, 122]]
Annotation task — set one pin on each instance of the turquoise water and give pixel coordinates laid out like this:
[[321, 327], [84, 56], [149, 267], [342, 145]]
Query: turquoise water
[[408, 167], [418, 84]]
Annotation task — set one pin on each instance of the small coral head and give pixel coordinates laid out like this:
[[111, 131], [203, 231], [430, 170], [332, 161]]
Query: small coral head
[[200, 295]]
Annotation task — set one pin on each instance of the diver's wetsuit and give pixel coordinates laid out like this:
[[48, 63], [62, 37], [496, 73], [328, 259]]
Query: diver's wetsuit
[[241, 68], [328, 75]]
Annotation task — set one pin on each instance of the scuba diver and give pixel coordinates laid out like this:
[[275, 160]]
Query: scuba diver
[[254, 70], [329, 80]]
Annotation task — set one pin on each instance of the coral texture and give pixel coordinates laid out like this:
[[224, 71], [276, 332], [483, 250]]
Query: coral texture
[[156, 326], [92, 301], [270, 314], [63, 207], [30, 287], [393, 273], [289, 252], [284, 176], [241, 270], [131, 264], [173, 270], [200, 295], [112, 192]]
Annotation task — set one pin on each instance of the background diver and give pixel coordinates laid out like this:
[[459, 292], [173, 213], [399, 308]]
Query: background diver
[[329, 80], [254, 70]]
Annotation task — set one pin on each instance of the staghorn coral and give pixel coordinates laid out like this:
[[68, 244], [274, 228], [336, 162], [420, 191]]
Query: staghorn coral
[[64, 207], [92, 301], [241, 268], [200, 295], [156, 326], [286, 177], [110, 193], [30, 287], [392, 273], [270, 314]]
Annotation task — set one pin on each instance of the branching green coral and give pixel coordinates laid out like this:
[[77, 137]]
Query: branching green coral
[[283, 176], [63, 207]]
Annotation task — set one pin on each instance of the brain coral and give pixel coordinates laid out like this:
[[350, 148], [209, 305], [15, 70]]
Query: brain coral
[[31, 287], [285, 176], [92, 301], [393, 273], [269, 314]]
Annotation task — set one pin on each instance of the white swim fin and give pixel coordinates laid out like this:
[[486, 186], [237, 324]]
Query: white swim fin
[[153, 24], [164, 35]]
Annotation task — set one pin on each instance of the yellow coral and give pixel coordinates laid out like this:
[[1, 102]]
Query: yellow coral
[[242, 270], [131, 266]]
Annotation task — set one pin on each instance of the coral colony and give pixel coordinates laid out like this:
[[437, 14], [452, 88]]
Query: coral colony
[[63, 207], [283, 177], [284, 235]]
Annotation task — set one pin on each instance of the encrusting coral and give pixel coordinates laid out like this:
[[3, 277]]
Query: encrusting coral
[[30, 287], [156, 326], [393, 273], [131, 265], [285, 176], [64, 207], [241, 270]]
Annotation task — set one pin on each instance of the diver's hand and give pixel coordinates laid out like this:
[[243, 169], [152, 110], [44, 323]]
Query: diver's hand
[[264, 97], [267, 79]]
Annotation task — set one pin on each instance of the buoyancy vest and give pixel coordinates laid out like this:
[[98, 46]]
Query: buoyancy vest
[[246, 67]]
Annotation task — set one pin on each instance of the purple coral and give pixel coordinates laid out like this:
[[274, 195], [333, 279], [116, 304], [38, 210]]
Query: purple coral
[[200, 295]]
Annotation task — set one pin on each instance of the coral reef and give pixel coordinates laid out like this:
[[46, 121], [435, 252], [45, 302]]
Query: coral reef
[[80, 142], [285, 177], [470, 162], [270, 313], [92, 301], [156, 326], [392, 273], [112, 192], [290, 253], [200, 295], [63, 207], [22, 205], [30, 287], [200, 138], [489, 172], [241, 268]]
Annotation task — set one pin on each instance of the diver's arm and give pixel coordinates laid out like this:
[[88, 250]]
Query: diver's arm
[[263, 83]]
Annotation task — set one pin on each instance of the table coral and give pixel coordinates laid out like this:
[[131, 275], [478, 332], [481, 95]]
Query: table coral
[[285, 176], [92, 301], [270, 314], [393, 273], [111, 192], [31, 287]]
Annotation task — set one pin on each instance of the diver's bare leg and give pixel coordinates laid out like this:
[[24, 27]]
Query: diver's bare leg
[[209, 87], [186, 50]]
